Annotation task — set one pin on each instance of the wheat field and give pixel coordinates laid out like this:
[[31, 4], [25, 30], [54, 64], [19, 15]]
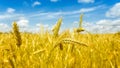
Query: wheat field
[[59, 50]]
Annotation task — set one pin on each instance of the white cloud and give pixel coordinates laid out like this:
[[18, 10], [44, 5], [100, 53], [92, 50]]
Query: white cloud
[[52, 15], [54, 0], [75, 22], [82, 10], [38, 24], [36, 3], [30, 29], [86, 1], [114, 11], [86, 10], [10, 10], [5, 16], [104, 22], [10, 16], [44, 25], [33, 29], [22, 22], [103, 26], [109, 22], [4, 27]]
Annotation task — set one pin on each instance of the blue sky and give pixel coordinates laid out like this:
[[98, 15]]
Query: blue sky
[[100, 16]]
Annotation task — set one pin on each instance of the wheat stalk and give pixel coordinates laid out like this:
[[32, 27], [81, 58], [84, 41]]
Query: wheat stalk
[[67, 41], [16, 34], [71, 41], [57, 27], [80, 28]]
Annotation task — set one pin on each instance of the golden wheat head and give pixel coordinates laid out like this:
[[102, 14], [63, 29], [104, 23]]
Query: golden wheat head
[[17, 34], [57, 27]]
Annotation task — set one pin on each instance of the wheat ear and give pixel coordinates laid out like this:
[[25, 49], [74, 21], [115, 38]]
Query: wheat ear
[[16, 34], [71, 41], [57, 28]]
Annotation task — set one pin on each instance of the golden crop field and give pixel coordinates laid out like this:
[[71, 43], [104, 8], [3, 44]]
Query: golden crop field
[[59, 50]]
